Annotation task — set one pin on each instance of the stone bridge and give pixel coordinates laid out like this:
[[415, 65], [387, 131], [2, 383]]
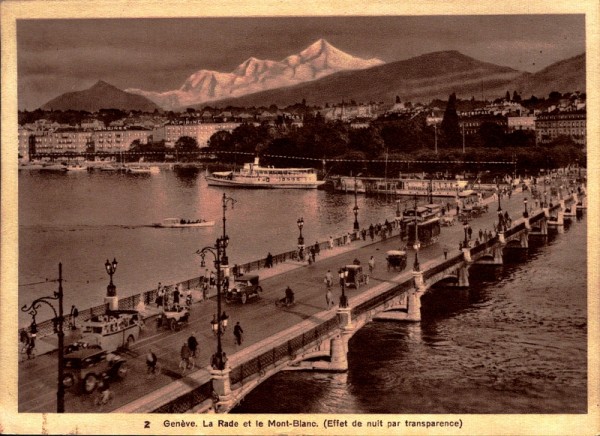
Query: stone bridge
[[320, 343]]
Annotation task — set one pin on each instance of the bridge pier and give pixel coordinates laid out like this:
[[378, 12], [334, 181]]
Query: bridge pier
[[339, 354], [543, 228], [501, 238], [463, 277], [524, 240], [221, 385]]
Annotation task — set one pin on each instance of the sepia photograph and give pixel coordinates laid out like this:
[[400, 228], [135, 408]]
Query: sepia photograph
[[260, 219]]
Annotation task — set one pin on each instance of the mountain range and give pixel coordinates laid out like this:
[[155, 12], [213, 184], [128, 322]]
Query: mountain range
[[323, 74], [424, 78], [101, 95], [318, 60]]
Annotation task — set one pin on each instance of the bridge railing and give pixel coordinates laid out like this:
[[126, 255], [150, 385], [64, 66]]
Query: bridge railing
[[383, 297], [515, 229], [442, 266], [288, 349], [188, 400], [485, 245]]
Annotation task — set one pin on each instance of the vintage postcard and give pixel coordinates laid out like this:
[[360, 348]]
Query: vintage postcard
[[299, 218]]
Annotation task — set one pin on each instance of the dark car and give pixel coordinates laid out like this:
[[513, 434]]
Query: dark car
[[86, 367], [244, 288]]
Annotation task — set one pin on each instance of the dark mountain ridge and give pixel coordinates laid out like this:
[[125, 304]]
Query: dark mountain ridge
[[101, 95]]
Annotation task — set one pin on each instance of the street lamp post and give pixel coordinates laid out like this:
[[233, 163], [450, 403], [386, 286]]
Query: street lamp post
[[218, 252], [356, 225], [343, 273], [416, 246], [58, 329], [525, 213], [111, 268], [500, 216], [466, 229], [224, 259], [300, 224]]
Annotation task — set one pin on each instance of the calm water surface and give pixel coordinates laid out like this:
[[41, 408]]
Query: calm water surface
[[514, 342]]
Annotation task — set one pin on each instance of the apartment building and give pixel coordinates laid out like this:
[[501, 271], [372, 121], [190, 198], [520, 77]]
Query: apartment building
[[197, 130], [550, 126]]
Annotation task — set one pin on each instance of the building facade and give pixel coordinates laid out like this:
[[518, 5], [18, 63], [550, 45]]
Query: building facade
[[201, 132], [550, 126]]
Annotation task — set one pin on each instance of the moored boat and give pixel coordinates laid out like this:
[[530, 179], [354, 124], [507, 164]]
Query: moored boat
[[182, 223], [252, 175], [137, 169], [399, 186]]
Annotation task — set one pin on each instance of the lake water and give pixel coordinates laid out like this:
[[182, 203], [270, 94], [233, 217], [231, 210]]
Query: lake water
[[514, 342]]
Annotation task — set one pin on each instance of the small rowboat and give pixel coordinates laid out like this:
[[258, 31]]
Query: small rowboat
[[181, 223]]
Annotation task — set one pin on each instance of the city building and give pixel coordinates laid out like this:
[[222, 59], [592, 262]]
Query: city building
[[550, 126], [197, 130], [518, 122], [472, 124]]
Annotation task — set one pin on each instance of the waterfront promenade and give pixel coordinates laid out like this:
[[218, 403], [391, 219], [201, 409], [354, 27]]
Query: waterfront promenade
[[260, 320]]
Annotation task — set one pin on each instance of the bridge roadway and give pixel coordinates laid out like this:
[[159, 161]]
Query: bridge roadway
[[260, 319]]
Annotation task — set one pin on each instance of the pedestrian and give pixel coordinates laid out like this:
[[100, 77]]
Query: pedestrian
[[329, 299], [185, 355], [330, 243], [214, 325], [317, 248], [445, 252], [372, 232], [269, 260], [159, 295], [175, 296], [371, 264], [329, 279], [470, 232], [223, 320], [192, 343], [238, 332], [363, 233], [480, 234]]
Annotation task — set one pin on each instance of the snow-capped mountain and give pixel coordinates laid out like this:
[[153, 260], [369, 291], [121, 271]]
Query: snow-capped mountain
[[318, 60]]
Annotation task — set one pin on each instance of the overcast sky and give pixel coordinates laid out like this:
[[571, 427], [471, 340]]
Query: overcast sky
[[57, 56]]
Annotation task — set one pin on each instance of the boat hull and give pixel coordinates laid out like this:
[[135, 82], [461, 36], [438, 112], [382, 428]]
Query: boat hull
[[185, 226], [214, 181]]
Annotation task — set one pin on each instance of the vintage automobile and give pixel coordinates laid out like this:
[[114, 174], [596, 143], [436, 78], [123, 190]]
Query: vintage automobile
[[86, 367], [113, 330], [447, 221], [174, 317], [396, 259], [354, 276], [245, 287]]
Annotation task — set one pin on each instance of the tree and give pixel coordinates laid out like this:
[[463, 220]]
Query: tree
[[507, 97], [397, 99], [450, 128], [187, 148], [491, 135]]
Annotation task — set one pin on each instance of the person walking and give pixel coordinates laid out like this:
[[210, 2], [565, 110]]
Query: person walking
[[329, 299], [185, 355], [445, 252], [330, 243], [328, 278], [238, 332], [192, 343], [371, 265]]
